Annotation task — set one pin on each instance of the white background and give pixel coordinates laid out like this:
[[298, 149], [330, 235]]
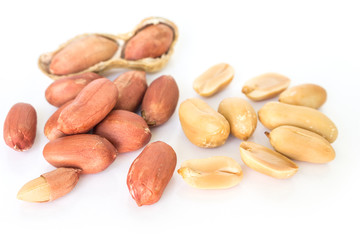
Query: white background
[[308, 41]]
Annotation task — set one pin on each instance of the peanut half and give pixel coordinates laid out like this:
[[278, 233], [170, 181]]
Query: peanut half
[[67, 88], [20, 127], [131, 87], [126, 130], [160, 100], [82, 53], [89, 107], [211, 173], [150, 172], [265, 86], [300, 144], [202, 125], [214, 79], [90, 153], [240, 115], [267, 161], [308, 95], [275, 114], [50, 186], [149, 42]]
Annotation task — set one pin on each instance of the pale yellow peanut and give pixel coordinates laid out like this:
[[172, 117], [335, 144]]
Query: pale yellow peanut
[[302, 145], [240, 115], [211, 173], [275, 114], [308, 95], [202, 125], [214, 79], [265, 86], [267, 161]]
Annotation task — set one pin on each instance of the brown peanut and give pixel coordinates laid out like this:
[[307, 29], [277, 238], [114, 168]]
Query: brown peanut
[[20, 127], [81, 54], [308, 95], [150, 42], [90, 153], [131, 87], [160, 100], [126, 130], [50, 186], [89, 107], [50, 129], [67, 88], [150, 172]]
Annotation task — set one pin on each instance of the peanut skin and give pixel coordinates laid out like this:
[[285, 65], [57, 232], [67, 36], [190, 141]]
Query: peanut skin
[[20, 127], [90, 106], [67, 88], [81, 54], [150, 42], [150, 172]]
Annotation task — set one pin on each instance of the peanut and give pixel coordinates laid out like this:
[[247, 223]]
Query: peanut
[[275, 114], [131, 87], [90, 153], [300, 144], [50, 129], [150, 42], [67, 88], [214, 79], [265, 86], [308, 95], [50, 186], [150, 172], [160, 100], [20, 127], [81, 54], [267, 161], [89, 107], [126, 130], [202, 125], [240, 115], [211, 173]]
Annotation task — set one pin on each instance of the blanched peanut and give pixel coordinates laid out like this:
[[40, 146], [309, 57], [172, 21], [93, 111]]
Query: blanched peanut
[[275, 114], [202, 125], [241, 116], [300, 144], [267, 161], [265, 86], [211, 173], [214, 79], [308, 95]]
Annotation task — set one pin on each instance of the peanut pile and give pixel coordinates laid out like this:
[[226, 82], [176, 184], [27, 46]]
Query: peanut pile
[[96, 118]]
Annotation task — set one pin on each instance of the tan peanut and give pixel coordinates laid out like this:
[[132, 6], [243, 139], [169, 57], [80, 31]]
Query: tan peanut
[[20, 127], [131, 87], [202, 125], [126, 130], [89, 107], [67, 88], [82, 53], [150, 42], [150, 172], [240, 115], [50, 129], [214, 79], [50, 186], [265, 86], [267, 161], [211, 173], [300, 144], [308, 95], [275, 114], [160, 100], [90, 153]]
